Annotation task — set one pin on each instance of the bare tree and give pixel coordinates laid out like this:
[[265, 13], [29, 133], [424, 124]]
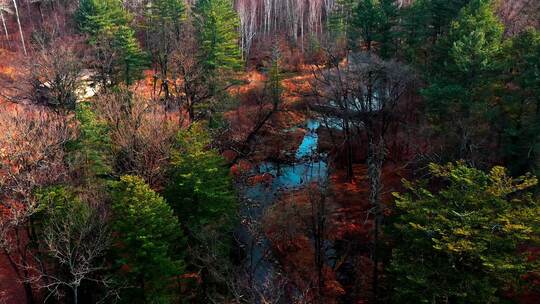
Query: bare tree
[[31, 156], [74, 239], [192, 85], [364, 92], [140, 146], [55, 72]]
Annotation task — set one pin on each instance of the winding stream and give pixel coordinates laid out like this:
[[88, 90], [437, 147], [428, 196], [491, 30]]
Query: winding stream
[[309, 166]]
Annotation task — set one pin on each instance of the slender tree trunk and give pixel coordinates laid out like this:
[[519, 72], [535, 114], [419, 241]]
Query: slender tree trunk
[[75, 295], [20, 28], [349, 150], [376, 156], [5, 27]]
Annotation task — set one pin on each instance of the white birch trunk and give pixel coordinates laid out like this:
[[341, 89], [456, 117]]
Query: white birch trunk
[[20, 28]]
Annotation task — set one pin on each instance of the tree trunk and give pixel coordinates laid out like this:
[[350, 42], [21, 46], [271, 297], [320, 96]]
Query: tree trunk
[[5, 27], [349, 150], [75, 295], [375, 159], [20, 28]]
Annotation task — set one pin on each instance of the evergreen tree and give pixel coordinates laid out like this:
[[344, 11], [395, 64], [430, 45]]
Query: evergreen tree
[[275, 77], [200, 188], [148, 239], [461, 244], [217, 27], [201, 192], [89, 153], [518, 119], [424, 22], [462, 79], [118, 56], [93, 16], [373, 22]]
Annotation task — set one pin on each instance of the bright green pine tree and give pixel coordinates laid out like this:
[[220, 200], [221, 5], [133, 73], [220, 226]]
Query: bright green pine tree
[[461, 244], [373, 22], [519, 107], [148, 240], [89, 153], [200, 188], [107, 23], [93, 16], [458, 93], [217, 24]]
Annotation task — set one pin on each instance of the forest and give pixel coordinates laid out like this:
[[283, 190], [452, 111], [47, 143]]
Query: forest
[[269, 151]]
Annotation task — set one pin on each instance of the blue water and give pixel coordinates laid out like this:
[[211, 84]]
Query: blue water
[[309, 144], [309, 167]]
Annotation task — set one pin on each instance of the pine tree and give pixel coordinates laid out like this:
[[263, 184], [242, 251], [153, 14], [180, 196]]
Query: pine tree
[[202, 195], [148, 239], [462, 77], [89, 153], [424, 22], [118, 55], [461, 243], [372, 26], [217, 26], [200, 189], [518, 117]]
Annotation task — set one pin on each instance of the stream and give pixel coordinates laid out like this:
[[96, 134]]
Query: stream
[[309, 166]]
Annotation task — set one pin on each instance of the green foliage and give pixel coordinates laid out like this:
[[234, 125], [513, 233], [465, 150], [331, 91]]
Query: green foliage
[[200, 189], [89, 154], [424, 22], [148, 237], [461, 244], [164, 15], [519, 108], [373, 22], [93, 16], [217, 26], [463, 75], [118, 53]]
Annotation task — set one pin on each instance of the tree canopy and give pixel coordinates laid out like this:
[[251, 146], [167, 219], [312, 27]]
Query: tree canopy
[[460, 243]]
